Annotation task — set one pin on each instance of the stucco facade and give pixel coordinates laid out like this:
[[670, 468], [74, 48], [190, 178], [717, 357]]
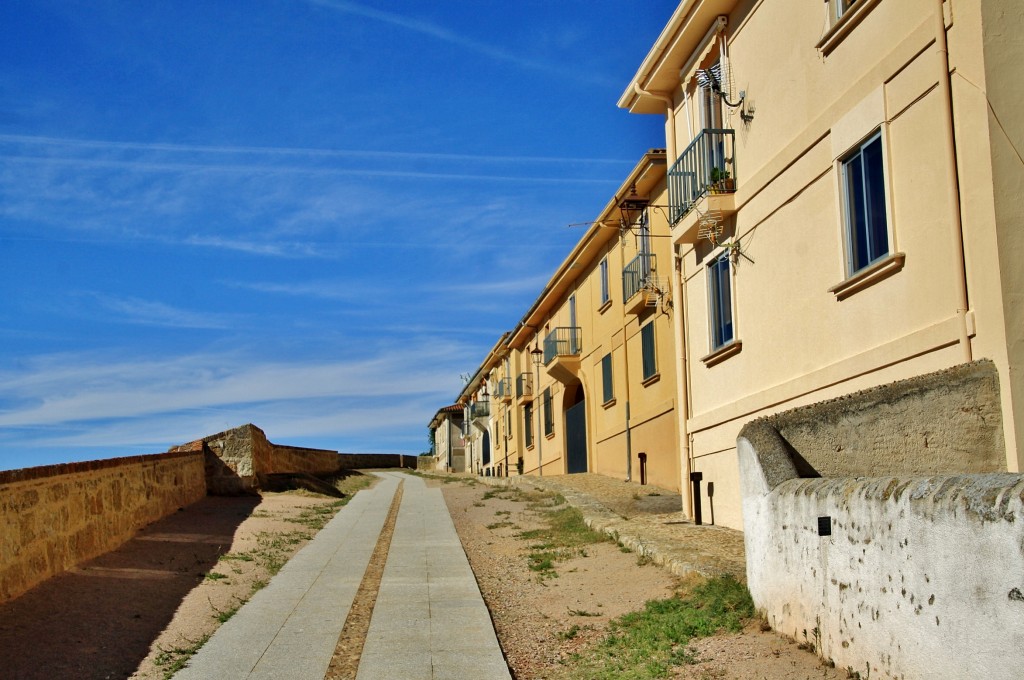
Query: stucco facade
[[870, 228], [586, 381]]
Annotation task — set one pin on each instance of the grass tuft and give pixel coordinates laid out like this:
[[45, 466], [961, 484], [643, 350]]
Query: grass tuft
[[646, 644]]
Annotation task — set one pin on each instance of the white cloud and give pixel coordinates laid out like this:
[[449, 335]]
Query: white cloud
[[73, 388]]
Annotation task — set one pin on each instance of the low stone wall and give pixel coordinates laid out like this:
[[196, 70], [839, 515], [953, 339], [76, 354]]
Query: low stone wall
[[57, 516], [236, 458], [298, 459], [362, 461], [946, 422], [895, 574]]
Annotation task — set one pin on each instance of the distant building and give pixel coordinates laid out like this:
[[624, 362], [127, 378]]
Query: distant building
[[449, 444]]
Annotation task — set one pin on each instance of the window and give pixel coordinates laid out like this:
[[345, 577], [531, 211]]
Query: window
[[863, 182], [549, 421], [604, 281], [528, 423], [720, 301], [648, 351], [606, 378], [840, 7]]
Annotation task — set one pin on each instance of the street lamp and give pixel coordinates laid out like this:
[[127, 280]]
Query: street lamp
[[538, 356]]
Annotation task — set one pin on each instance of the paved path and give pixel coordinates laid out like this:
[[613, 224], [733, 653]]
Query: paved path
[[429, 622]]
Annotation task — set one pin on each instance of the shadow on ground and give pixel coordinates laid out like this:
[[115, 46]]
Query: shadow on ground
[[99, 620]]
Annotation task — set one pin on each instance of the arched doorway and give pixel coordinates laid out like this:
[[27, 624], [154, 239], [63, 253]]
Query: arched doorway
[[575, 429]]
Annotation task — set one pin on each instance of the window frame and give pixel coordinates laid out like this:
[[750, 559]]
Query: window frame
[[549, 420], [528, 422], [851, 224], [648, 351], [717, 304], [605, 281], [607, 379]]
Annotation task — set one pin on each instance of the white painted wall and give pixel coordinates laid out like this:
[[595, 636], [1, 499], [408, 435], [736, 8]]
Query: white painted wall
[[922, 576]]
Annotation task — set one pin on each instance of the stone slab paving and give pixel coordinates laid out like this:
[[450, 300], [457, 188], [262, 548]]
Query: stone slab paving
[[430, 621], [626, 512], [290, 628]]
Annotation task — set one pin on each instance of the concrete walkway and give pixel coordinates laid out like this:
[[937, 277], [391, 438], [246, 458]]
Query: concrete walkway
[[430, 621], [429, 609]]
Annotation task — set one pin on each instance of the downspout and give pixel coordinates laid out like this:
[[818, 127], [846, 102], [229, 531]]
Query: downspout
[[953, 189], [670, 116], [625, 360], [682, 393]]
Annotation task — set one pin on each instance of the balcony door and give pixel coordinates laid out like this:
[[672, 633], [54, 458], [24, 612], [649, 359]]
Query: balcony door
[[711, 118]]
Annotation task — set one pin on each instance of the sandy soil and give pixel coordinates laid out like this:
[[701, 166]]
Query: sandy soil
[[541, 622]]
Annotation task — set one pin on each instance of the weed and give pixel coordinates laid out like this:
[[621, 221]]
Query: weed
[[174, 659], [643, 560], [500, 525], [573, 631], [215, 576], [241, 557], [503, 512], [648, 643], [582, 612]]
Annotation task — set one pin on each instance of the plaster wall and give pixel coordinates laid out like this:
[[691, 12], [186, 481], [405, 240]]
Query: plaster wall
[[920, 577], [800, 340], [55, 517]]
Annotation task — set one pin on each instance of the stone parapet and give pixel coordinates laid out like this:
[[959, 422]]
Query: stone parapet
[[57, 516]]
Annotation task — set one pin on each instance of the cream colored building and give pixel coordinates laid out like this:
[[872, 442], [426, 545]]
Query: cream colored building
[[844, 194], [586, 382]]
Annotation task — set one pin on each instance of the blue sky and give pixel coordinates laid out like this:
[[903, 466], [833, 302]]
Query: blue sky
[[312, 215]]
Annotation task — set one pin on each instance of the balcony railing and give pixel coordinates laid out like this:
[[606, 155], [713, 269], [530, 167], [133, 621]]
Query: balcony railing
[[707, 166], [480, 409], [503, 388], [524, 385], [636, 274], [563, 341]]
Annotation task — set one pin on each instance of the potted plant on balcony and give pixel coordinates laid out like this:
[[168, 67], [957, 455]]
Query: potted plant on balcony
[[721, 181]]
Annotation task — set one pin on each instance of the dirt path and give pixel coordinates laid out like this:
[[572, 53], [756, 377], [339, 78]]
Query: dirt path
[[541, 620]]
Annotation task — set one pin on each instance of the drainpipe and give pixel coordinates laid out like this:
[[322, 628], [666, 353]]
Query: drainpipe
[[953, 189], [625, 359], [670, 116], [682, 393]]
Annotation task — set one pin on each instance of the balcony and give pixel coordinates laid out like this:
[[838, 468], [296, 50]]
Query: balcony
[[479, 409], [702, 181], [640, 288], [562, 349], [503, 390], [524, 387]]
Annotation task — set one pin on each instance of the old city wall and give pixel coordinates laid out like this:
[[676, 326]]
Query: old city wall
[[298, 459], [356, 461], [237, 457], [892, 569], [55, 517]]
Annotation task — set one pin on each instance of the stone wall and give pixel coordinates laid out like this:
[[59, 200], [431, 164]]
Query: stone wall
[[893, 574], [357, 461], [947, 422], [236, 458], [57, 516]]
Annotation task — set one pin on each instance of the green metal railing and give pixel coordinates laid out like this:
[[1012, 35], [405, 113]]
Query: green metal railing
[[563, 341], [524, 385], [636, 274], [707, 166]]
